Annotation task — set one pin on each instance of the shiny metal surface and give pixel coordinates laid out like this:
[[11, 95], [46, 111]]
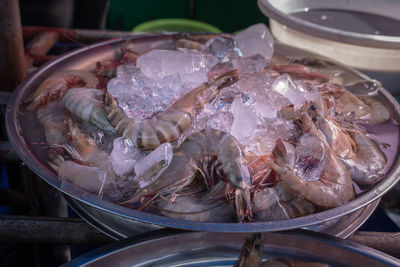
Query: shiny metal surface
[[164, 248], [119, 227], [280, 11], [27, 138]]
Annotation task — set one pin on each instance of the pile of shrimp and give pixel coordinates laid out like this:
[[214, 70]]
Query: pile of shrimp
[[306, 154]]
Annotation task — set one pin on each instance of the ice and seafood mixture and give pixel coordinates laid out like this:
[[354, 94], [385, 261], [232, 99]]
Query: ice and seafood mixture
[[214, 130]]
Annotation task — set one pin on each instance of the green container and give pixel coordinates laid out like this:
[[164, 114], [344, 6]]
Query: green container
[[175, 25]]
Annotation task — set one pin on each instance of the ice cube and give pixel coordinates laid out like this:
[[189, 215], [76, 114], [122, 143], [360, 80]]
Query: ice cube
[[223, 48], [249, 64], [245, 120], [159, 159], [312, 157], [157, 64], [83, 176], [254, 40], [123, 156], [285, 86]]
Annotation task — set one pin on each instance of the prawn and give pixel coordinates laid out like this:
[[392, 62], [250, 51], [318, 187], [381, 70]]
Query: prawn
[[202, 207], [88, 105], [278, 203], [327, 186], [367, 160], [215, 154], [379, 113], [55, 86], [82, 148], [169, 124], [346, 103]]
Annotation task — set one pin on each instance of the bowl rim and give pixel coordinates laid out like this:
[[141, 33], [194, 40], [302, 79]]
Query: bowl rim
[[18, 142], [377, 41]]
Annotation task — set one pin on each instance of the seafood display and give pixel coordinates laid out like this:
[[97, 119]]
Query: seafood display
[[214, 130]]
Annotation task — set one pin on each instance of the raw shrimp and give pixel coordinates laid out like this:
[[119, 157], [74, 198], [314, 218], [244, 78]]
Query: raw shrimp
[[83, 149], [329, 186], [202, 207], [53, 118], [297, 71], [169, 124], [367, 160], [346, 103], [379, 113], [279, 203], [361, 156], [215, 154], [55, 86], [88, 105]]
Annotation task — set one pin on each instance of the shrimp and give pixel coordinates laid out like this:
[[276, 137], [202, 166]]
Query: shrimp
[[325, 182], [55, 86], [87, 104], [169, 124], [346, 103], [379, 113], [278, 203], [83, 149], [215, 154], [360, 155], [367, 160], [301, 72], [53, 118], [208, 207]]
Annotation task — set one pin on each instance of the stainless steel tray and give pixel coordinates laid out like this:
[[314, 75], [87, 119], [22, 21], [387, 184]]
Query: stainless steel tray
[[162, 248], [26, 136]]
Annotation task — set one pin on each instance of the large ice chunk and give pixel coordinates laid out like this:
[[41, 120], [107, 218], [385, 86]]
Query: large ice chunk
[[150, 167], [245, 120], [123, 156], [222, 47], [157, 64], [256, 40]]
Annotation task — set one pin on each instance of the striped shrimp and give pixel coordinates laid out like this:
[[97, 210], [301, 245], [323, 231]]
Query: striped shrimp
[[213, 153], [88, 105], [55, 86], [169, 124]]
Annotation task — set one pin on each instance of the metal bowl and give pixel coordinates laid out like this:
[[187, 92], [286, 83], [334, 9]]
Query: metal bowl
[[281, 10], [163, 248], [27, 137], [375, 54]]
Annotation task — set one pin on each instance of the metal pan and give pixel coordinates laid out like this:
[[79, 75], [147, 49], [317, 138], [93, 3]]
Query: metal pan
[[27, 137], [162, 248]]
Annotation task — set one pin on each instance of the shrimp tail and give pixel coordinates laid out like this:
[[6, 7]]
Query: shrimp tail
[[243, 204], [279, 153], [109, 100]]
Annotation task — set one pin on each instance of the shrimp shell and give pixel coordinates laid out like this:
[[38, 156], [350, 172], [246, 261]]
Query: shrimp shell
[[333, 189], [87, 104], [167, 125], [55, 86], [215, 154]]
